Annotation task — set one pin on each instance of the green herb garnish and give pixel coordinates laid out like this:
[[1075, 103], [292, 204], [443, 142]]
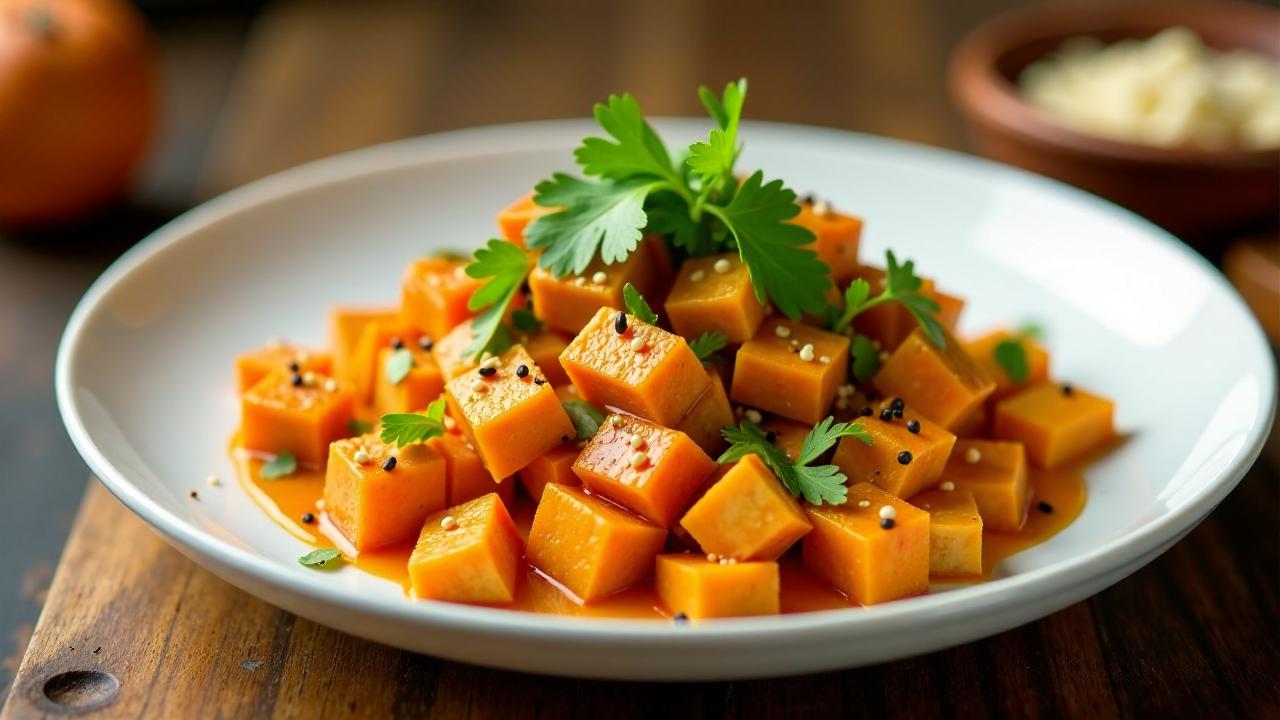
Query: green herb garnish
[[506, 266], [707, 344], [866, 359], [634, 186], [320, 558], [357, 426], [404, 429], [399, 363], [637, 305], [586, 418], [823, 483], [281, 465], [1011, 356], [902, 286], [525, 321]]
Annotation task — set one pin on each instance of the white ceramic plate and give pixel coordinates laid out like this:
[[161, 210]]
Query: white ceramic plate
[[144, 378]]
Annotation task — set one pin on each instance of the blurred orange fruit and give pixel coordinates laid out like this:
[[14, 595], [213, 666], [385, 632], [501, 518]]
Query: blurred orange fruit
[[77, 105]]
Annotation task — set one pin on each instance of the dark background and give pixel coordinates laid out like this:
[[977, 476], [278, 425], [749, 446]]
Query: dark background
[[249, 89]]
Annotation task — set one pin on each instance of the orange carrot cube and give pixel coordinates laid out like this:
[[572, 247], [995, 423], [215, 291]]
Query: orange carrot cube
[[899, 461], [714, 294], [467, 554], [836, 237], [746, 515], [254, 365], [791, 369], [373, 505], [514, 218], [278, 415], [346, 326], [568, 303], [942, 383], [1056, 423], [412, 392], [692, 585], [554, 466], [465, 475], [435, 293], [955, 532], [709, 414], [995, 473]]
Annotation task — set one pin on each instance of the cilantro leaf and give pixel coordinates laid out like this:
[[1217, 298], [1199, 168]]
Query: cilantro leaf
[[855, 296], [715, 158], [637, 151], [637, 305], [1012, 358], [781, 269], [823, 483], [586, 417], [320, 558], [407, 428], [866, 359], [749, 439], [280, 466], [826, 434], [707, 344], [605, 217], [669, 215], [357, 426], [399, 363], [506, 266], [525, 321], [902, 285]]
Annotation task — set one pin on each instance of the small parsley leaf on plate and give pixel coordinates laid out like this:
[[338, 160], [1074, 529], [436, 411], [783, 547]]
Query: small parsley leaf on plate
[[707, 344], [320, 558], [586, 418], [637, 305], [281, 465], [404, 429], [399, 363]]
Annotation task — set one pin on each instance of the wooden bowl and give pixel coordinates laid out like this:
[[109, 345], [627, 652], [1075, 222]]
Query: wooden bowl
[[1198, 194]]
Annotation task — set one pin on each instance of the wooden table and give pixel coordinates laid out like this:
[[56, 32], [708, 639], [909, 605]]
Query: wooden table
[[134, 629]]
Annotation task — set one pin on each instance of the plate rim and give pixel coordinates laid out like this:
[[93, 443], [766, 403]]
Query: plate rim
[[471, 142]]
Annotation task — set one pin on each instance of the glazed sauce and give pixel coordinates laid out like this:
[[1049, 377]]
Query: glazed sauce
[[286, 500]]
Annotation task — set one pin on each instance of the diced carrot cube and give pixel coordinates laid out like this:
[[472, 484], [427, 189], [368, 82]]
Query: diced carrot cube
[[414, 391], [707, 299], [449, 352], [648, 469], [509, 418], [837, 238], [692, 585], [514, 218], [554, 466], [942, 383], [545, 347], [278, 416], [862, 554], [254, 365], [435, 293], [568, 303], [364, 360], [898, 460], [465, 475], [983, 352], [747, 515], [1056, 423], [995, 473], [771, 371], [589, 545], [949, 309], [346, 326], [645, 370], [955, 532], [467, 554], [708, 416], [374, 507]]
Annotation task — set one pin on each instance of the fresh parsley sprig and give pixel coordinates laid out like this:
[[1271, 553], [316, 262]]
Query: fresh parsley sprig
[[902, 286], [817, 484], [404, 429], [1011, 356], [586, 418], [707, 344], [506, 266], [866, 358]]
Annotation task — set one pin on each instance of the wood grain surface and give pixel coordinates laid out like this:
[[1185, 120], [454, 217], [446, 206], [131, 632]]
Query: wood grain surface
[[131, 625]]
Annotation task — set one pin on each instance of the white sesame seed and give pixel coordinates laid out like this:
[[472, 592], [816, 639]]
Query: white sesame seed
[[972, 455], [884, 356], [638, 459], [947, 486], [753, 415], [433, 280], [845, 390], [824, 360], [572, 390], [485, 356], [864, 503], [492, 362], [821, 208], [722, 266], [579, 281], [479, 386], [697, 276], [712, 557], [448, 523], [806, 352], [460, 272], [303, 357], [616, 421], [782, 331], [330, 385], [636, 442], [887, 512], [842, 403], [308, 378], [213, 480], [637, 344], [600, 278], [361, 457], [795, 342], [450, 423]]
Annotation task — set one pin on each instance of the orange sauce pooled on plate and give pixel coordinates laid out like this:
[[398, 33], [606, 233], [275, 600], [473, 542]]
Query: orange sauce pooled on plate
[[287, 499]]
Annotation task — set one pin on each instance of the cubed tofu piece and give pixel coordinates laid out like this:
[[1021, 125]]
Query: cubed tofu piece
[[545, 347], [983, 352], [554, 466], [465, 475], [995, 472], [589, 545], [346, 326], [790, 369], [364, 360], [646, 468], [891, 323], [412, 392], [714, 294], [467, 554], [568, 303], [645, 370], [434, 294], [899, 461], [788, 435], [746, 515], [373, 506], [1056, 423], [708, 416], [514, 218], [303, 417], [254, 365], [955, 532], [943, 383], [836, 237], [699, 588], [449, 352], [507, 415], [864, 555]]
